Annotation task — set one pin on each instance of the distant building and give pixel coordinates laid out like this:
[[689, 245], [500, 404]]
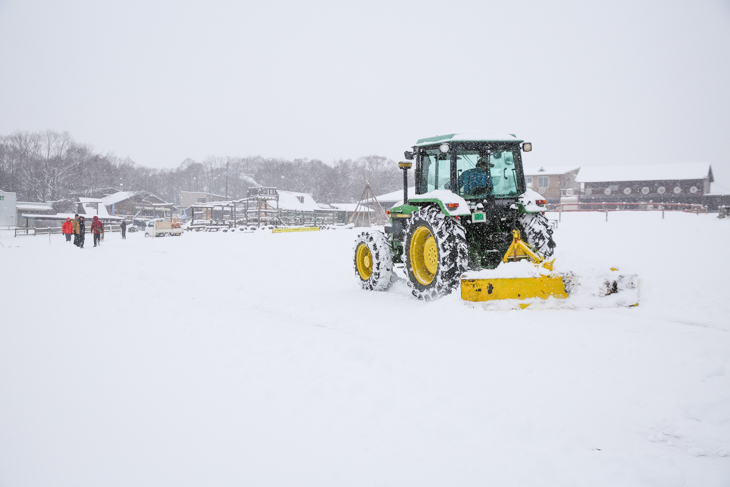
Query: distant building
[[141, 204], [8, 215], [656, 183], [190, 198], [552, 182], [26, 211]]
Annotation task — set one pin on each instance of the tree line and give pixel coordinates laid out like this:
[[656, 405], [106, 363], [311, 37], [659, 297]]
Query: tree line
[[51, 166]]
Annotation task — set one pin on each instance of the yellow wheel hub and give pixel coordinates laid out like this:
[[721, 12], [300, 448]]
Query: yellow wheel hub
[[424, 254], [364, 260]]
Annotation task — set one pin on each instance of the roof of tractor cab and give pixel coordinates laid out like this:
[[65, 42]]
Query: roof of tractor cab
[[475, 136]]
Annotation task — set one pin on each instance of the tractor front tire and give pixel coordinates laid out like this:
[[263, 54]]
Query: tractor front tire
[[373, 260], [434, 252], [537, 233]]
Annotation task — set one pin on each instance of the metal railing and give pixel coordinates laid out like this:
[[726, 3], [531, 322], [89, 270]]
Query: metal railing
[[619, 206], [35, 231]]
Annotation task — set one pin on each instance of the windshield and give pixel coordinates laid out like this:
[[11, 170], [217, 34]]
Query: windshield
[[481, 171]]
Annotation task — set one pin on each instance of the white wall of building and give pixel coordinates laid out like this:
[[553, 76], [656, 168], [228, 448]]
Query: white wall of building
[[7, 209]]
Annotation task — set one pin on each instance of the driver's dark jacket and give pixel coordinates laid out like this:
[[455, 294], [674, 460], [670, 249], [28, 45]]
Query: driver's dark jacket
[[473, 179]]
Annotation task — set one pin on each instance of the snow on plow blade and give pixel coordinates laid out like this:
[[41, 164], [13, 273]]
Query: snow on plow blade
[[568, 290]]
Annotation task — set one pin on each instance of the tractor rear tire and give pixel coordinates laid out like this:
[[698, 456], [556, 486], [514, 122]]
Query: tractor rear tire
[[537, 233], [434, 252], [373, 260]]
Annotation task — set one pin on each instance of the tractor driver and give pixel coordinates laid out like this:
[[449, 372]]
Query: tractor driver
[[476, 180]]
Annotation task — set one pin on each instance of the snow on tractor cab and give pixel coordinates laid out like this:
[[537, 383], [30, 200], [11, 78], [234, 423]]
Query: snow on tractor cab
[[471, 212]]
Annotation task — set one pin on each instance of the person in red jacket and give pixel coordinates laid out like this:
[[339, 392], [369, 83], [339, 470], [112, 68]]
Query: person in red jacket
[[68, 229], [97, 228]]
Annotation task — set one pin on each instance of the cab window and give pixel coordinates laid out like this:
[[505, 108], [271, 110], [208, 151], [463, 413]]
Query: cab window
[[503, 173], [436, 173]]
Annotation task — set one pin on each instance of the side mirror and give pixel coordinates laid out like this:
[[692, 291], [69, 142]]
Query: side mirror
[[527, 146], [408, 155]]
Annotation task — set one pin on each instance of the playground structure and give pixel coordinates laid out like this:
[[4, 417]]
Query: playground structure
[[260, 208]]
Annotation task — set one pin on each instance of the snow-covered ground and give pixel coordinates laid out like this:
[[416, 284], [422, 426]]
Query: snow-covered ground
[[256, 359]]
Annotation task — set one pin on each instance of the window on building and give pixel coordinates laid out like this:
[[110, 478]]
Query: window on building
[[301, 199], [201, 200], [542, 181], [528, 180]]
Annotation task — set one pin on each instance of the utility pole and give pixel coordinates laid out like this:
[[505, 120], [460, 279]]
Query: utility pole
[[226, 180]]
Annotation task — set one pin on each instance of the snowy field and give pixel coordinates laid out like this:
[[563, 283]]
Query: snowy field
[[255, 359]]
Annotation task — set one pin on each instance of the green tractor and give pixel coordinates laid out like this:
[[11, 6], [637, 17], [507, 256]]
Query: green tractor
[[470, 196]]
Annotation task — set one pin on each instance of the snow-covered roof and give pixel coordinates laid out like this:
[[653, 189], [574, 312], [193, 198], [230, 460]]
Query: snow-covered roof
[[471, 135], [94, 207], [117, 197], [548, 170], [347, 206], [64, 216], [652, 172], [33, 206], [289, 200], [394, 196]]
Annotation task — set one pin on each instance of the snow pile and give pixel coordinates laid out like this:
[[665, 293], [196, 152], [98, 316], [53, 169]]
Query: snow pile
[[529, 199], [447, 197], [508, 270]]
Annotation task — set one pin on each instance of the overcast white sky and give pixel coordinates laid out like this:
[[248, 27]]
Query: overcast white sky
[[589, 83]]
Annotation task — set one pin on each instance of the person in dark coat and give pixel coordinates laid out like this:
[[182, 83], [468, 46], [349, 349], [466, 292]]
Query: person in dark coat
[[124, 229], [82, 232], [97, 229], [75, 226], [68, 229]]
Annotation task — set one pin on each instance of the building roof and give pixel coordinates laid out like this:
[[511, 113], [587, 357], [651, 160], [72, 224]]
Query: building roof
[[33, 206], [94, 207], [469, 136], [289, 200], [64, 216], [652, 172], [204, 193], [118, 196], [395, 196], [346, 206], [548, 170]]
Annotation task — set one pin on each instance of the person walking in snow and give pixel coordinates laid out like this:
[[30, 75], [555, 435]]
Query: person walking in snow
[[97, 228], [124, 229], [82, 232], [67, 229], [75, 227]]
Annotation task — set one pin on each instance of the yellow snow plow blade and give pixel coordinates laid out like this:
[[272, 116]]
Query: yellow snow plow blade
[[539, 281], [513, 288], [516, 287]]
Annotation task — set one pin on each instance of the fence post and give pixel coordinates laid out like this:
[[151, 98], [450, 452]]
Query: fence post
[[560, 213], [606, 215]]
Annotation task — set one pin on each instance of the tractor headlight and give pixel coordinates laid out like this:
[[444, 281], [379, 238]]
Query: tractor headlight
[[444, 147], [527, 146]]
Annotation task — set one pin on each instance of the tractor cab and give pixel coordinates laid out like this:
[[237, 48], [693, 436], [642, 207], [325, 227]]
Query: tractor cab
[[473, 166]]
